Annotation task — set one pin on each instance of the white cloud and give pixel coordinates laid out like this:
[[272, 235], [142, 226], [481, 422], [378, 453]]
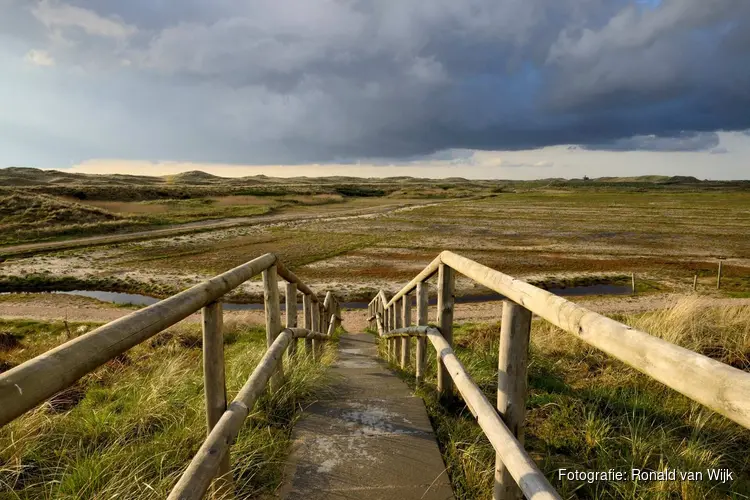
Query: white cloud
[[40, 58], [54, 14]]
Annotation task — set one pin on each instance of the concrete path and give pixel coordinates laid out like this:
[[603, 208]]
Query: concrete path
[[370, 439]]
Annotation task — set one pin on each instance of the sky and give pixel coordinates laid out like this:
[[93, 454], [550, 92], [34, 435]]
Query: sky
[[513, 89]]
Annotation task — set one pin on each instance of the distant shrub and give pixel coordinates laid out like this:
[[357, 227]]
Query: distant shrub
[[359, 191]]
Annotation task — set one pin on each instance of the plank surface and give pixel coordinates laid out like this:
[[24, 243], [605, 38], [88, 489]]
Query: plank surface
[[369, 439]]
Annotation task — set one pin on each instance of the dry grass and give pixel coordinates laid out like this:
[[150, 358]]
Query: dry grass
[[31, 217], [590, 412], [129, 429], [722, 333]]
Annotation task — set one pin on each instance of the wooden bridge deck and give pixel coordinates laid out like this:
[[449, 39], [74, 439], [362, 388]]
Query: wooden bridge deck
[[369, 439]]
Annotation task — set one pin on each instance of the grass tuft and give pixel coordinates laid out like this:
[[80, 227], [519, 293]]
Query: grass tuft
[[589, 412], [130, 428]]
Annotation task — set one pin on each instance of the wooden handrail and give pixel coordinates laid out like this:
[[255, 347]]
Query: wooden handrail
[[409, 331], [32, 382], [527, 475], [36, 380], [197, 478], [721, 387], [427, 273], [290, 277], [523, 469], [716, 385]]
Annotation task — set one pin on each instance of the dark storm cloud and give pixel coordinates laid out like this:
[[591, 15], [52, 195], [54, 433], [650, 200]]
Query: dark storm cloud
[[321, 80], [685, 141]]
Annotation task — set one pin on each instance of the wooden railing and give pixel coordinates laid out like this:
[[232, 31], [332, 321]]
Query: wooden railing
[[716, 385], [33, 382]]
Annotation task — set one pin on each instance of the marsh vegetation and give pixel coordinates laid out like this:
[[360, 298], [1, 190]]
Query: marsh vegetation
[[129, 429], [589, 412]]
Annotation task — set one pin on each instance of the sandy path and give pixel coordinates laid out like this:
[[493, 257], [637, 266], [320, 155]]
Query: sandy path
[[53, 307], [47, 307]]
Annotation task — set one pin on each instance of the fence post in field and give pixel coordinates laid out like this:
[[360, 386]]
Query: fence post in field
[[291, 313], [307, 320], [215, 386], [446, 291], [406, 340], [718, 277], [421, 355], [316, 327], [695, 282], [273, 319], [397, 317], [512, 362], [632, 281]]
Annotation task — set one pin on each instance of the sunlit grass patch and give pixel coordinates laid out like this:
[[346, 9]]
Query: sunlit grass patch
[[587, 411], [130, 428]]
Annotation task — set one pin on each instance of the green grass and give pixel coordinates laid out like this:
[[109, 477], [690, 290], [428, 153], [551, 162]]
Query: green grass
[[31, 217], [130, 428], [589, 412], [294, 248]]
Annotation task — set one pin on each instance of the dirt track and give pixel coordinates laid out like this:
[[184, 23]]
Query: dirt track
[[82, 309], [192, 227]]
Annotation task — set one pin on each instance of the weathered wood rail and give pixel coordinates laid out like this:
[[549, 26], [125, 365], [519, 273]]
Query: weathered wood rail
[[716, 385], [33, 382]]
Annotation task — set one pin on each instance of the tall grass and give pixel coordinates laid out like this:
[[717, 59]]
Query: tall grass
[[590, 412], [129, 429]]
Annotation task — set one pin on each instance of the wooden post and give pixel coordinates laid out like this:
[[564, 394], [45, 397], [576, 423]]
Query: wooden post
[[386, 329], [718, 277], [386, 319], [291, 313], [325, 317], [446, 290], [695, 282], [215, 386], [316, 328], [307, 320], [632, 281], [40, 378], [722, 388], [273, 319], [422, 304], [393, 326], [406, 321], [381, 310], [515, 330], [397, 324]]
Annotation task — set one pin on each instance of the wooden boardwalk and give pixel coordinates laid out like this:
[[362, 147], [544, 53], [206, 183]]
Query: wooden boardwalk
[[369, 439]]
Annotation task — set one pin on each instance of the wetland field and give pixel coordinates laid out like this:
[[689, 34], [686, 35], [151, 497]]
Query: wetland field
[[114, 239], [113, 234]]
